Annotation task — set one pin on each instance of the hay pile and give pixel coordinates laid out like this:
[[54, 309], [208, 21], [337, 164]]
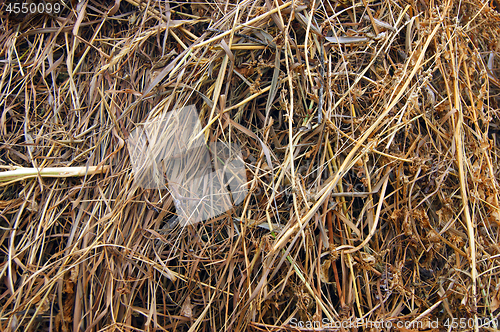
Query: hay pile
[[369, 133]]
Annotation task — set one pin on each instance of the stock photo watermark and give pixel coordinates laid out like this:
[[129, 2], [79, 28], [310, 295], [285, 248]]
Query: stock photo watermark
[[169, 152], [455, 323]]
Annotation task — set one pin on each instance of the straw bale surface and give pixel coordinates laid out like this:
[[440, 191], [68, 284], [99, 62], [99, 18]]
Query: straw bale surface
[[369, 133]]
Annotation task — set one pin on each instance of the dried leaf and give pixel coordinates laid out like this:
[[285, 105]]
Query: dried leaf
[[187, 308], [346, 40]]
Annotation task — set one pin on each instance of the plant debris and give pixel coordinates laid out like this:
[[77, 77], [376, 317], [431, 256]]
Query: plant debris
[[369, 136]]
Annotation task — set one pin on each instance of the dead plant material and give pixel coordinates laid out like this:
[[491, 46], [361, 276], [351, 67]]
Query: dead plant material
[[369, 138]]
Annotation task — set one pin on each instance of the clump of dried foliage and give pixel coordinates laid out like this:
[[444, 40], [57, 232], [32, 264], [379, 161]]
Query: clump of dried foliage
[[369, 131]]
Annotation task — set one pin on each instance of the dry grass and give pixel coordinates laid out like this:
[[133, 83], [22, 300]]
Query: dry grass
[[370, 134]]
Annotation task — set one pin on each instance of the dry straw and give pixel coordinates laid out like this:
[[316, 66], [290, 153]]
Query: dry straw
[[369, 135]]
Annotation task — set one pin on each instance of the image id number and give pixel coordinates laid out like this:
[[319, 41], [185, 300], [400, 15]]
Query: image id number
[[33, 8], [464, 323]]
